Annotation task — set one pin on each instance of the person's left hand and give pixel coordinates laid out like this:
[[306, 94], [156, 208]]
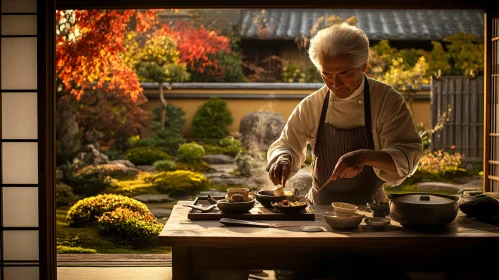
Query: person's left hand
[[349, 165]]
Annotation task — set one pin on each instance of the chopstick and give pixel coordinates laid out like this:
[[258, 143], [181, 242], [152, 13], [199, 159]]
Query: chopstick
[[327, 182]]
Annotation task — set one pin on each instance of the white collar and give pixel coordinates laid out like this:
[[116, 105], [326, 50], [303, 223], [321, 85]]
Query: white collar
[[356, 93]]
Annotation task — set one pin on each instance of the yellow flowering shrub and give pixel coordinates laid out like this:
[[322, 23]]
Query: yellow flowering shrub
[[439, 162], [88, 210], [178, 182], [138, 228]]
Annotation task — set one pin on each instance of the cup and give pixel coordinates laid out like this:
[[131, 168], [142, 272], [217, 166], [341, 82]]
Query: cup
[[243, 191]]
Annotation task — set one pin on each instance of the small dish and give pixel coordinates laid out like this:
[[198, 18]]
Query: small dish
[[379, 209], [290, 209], [377, 222], [267, 197], [337, 222], [343, 209], [235, 207]]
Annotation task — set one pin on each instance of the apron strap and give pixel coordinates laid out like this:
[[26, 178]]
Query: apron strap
[[367, 114], [321, 122]]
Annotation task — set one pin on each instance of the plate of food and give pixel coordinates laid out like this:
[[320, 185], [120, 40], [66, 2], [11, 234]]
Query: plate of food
[[289, 207]]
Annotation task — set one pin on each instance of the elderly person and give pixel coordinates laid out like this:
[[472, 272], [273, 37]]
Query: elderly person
[[361, 130]]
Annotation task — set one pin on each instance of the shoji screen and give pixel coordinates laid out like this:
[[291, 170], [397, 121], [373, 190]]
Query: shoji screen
[[493, 176], [19, 192]]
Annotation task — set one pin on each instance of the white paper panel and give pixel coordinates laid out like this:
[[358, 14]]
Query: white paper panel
[[19, 115], [20, 163], [20, 207], [21, 273], [19, 25], [19, 63], [20, 245], [19, 6]]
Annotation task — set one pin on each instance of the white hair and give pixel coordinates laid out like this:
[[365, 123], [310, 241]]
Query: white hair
[[340, 39]]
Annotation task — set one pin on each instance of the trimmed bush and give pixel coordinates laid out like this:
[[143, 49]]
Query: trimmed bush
[[164, 165], [132, 187], [190, 152], [64, 195], [180, 182], [211, 119], [228, 146], [74, 250], [136, 227], [146, 155], [200, 166], [88, 210]]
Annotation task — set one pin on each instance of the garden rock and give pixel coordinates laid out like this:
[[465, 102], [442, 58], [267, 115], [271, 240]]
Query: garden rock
[[153, 198], [451, 188], [146, 168], [302, 181], [262, 127], [59, 175], [230, 181], [120, 169], [218, 159], [91, 156], [125, 162]]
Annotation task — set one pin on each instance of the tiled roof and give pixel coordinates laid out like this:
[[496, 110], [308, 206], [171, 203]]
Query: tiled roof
[[378, 24]]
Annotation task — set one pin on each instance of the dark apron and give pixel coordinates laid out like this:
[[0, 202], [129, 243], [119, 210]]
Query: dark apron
[[333, 143]]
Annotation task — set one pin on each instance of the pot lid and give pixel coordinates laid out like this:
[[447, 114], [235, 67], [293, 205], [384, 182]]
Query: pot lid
[[426, 199]]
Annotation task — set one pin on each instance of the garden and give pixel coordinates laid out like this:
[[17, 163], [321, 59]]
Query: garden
[[115, 187]]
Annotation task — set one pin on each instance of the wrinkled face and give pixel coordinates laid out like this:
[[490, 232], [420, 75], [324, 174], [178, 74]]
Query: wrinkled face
[[340, 76]]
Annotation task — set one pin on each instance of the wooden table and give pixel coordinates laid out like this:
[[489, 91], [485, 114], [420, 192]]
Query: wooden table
[[198, 245]]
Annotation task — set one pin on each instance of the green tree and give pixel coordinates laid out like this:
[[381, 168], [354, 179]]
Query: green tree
[[466, 53], [158, 61], [211, 120]]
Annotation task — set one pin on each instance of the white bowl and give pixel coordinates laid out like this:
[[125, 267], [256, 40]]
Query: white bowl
[[338, 222], [377, 222], [343, 209]]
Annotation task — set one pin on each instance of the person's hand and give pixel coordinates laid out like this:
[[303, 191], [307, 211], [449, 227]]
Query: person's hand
[[349, 165], [279, 170]]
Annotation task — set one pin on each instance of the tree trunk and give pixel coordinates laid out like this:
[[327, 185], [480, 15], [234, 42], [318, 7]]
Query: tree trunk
[[163, 109]]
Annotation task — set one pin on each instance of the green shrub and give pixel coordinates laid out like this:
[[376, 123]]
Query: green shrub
[[190, 152], [140, 229], [228, 146], [74, 250], [199, 166], [180, 182], [164, 165], [132, 187], [146, 155], [439, 163], [64, 195], [168, 138], [211, 119], [88, 210]]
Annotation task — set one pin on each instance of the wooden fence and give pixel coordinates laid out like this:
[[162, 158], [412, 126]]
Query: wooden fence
[[463, 133]]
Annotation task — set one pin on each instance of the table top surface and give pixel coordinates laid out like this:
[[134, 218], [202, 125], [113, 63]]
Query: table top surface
[[179, 230]]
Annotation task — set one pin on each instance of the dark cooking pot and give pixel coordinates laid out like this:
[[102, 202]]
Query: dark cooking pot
[[423, 209]]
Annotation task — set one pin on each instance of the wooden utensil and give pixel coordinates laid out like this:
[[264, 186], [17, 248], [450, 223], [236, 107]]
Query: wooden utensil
[[327, 182], [202, 209], [236, 222]]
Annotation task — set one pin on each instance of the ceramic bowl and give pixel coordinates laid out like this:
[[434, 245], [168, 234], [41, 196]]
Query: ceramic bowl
[[290, 209], [377, 222], [343, 209], [267, 197], [337, 222], [235, 207], [379, 209]]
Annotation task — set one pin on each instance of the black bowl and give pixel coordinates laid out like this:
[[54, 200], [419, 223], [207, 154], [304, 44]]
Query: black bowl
[[235, 207], [267, 198], [290, 209]]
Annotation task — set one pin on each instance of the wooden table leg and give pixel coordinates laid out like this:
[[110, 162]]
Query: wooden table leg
[[180, 263]]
